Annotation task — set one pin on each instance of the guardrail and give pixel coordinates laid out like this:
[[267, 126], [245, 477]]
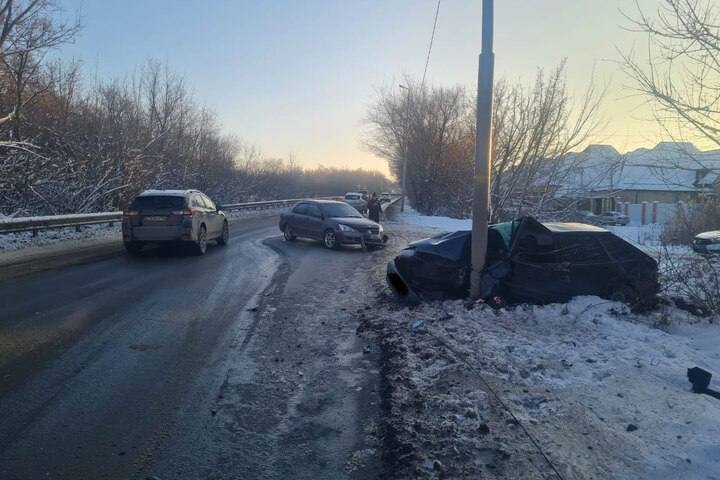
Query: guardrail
[[389, 204], [35, 224]]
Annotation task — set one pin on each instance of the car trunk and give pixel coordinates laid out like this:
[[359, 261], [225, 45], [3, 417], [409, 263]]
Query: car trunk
[[158, 211]]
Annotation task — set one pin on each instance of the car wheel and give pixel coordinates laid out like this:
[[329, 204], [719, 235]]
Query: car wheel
[[330, 240], [201, 244], [133, 247], [225, 236], [288, 235]]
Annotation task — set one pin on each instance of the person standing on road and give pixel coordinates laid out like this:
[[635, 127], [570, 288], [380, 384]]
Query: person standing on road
[[374, 208]]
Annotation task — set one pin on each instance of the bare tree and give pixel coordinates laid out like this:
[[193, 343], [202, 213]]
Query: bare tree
[[430, 126], [534, 128], [680, 73], [29, 29]]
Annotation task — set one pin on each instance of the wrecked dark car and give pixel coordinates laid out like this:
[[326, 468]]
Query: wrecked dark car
[[529, 262]]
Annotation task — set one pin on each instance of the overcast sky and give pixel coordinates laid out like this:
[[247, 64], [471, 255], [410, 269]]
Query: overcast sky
[[296, 77]]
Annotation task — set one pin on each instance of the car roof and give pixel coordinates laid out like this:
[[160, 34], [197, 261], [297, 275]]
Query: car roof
[[167, 193], [352, 193], [564, 227]]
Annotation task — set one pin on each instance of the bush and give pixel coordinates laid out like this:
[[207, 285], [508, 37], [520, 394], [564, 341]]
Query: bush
[[692, 281], [689, 220]]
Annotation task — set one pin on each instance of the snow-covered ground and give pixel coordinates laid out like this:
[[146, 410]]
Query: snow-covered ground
[[411, 217], [603, 392], [14, 241]]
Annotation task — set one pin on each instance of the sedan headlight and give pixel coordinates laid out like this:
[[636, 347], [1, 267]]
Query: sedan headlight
[[381, 229], [345, 228]]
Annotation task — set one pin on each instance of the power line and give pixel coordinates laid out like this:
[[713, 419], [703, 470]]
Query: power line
[[432, 37]]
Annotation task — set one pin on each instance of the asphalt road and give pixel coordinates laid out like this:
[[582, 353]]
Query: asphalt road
[[242, 363]]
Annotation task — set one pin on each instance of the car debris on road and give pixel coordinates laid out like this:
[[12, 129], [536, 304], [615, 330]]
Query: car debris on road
[[529, 262]]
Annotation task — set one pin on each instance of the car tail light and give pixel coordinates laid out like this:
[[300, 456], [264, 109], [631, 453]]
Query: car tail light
[[187, 212], [130, 213]]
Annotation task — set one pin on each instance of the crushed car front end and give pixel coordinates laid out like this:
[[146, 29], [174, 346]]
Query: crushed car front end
[[529, 262]]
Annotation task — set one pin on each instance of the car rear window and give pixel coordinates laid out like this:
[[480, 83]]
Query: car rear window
[[621, 250], [158, 202], [352, 197]]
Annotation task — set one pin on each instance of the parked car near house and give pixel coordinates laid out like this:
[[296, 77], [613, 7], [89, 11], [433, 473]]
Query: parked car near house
[[356, 200], [612, 218], [167, 216], [707, 242], [333, 223], [529, 262]]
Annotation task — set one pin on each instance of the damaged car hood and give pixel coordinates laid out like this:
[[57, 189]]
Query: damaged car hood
[[452, 246]]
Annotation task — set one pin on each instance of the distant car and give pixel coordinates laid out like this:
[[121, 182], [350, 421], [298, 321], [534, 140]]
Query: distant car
[[529, 262], [356, 200], [385, 197], [612, 218], [707, 242], [333, 223], [165, 216]]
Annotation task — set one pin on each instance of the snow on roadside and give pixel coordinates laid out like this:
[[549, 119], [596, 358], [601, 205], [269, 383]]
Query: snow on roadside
[[412, 217], [603, 391], [15, 241]]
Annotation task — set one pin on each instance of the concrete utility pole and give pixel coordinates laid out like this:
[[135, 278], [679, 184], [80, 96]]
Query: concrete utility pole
[[405, 147], [483, 149]]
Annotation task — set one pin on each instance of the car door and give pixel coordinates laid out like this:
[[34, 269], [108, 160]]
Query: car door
[[536, 274], [200, 217], [591, 271], [314, 221], [214, 219], [297, 220]]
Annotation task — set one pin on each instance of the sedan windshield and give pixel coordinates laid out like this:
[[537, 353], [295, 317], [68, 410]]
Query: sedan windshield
[[339, 210]]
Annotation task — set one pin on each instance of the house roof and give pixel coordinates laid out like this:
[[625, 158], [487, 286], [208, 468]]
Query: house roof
[[675, 167]]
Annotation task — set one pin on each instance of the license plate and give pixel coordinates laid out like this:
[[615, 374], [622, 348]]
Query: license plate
[[154, 219]]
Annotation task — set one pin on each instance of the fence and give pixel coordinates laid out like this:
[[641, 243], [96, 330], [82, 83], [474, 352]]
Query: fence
[[647, 213]]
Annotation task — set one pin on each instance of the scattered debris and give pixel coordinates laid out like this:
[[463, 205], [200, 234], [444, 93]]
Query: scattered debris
[[700, 380], [416, 325]]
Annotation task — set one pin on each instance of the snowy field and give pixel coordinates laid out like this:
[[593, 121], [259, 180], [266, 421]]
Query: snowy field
[[601, 391]]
